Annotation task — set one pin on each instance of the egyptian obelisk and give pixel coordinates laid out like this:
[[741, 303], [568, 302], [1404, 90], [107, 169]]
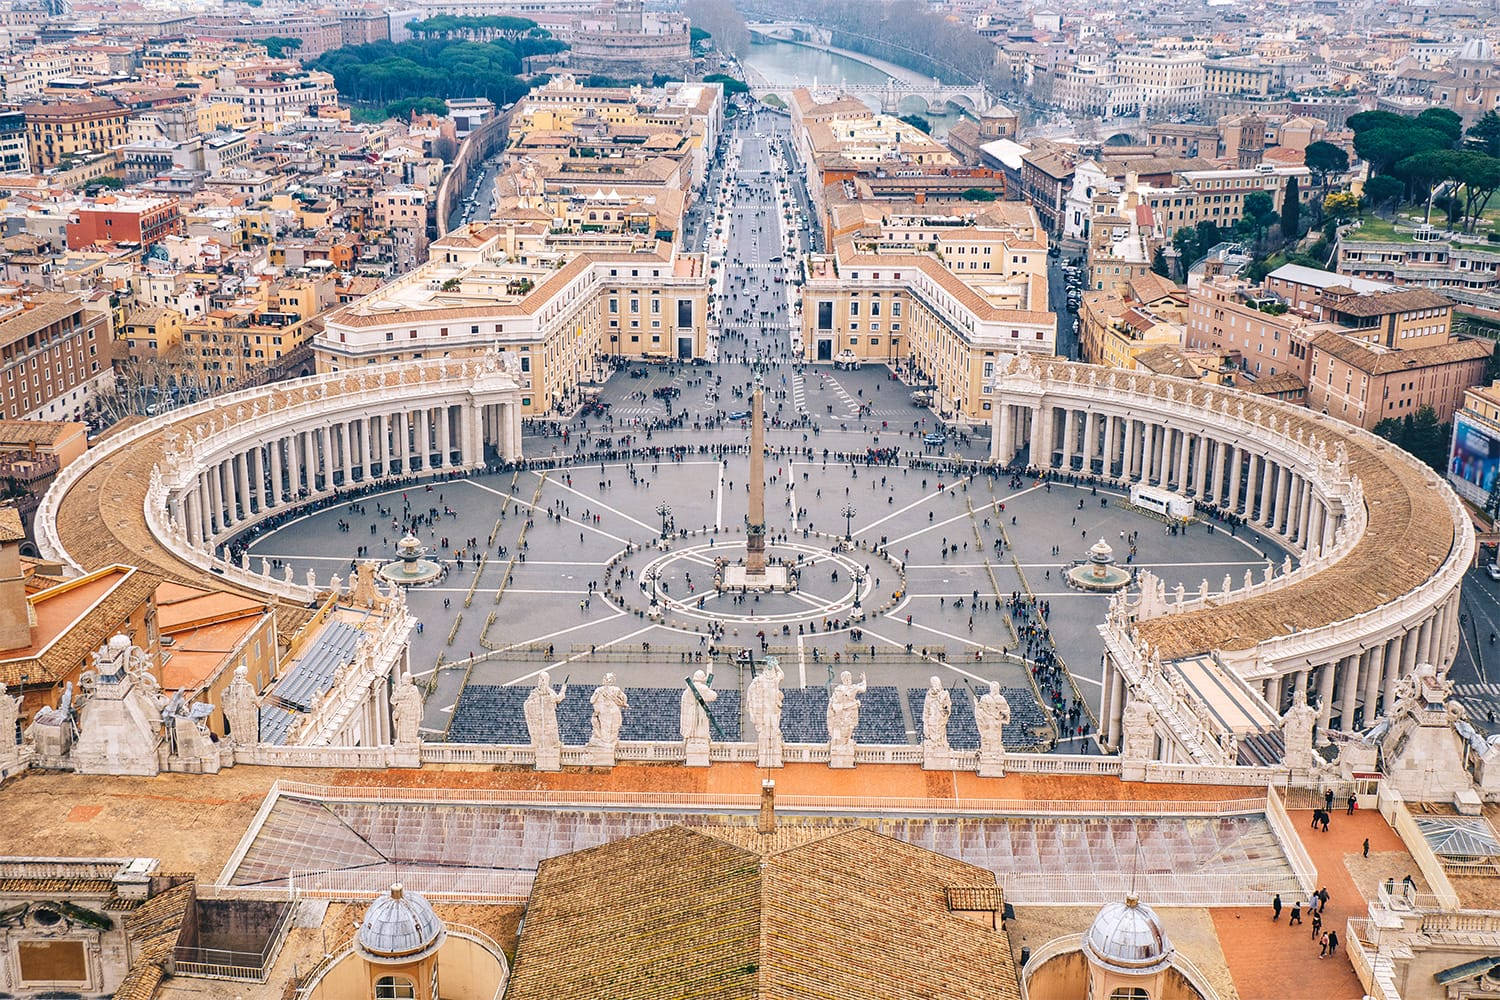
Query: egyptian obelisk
[[755, 516]]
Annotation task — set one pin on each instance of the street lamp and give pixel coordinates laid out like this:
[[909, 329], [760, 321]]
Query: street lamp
[[859, 579], [652, 576], [664, 509], [848, 514]]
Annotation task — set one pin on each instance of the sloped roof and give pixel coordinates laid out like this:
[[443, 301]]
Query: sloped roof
[[730, 914]]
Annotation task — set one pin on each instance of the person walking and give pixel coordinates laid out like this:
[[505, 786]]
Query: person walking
[[1328, 799], [1276, 907], [1296, 917], [1323, 952], [1333, 941], [1317, 923], [1352, 804], [1367, 847]]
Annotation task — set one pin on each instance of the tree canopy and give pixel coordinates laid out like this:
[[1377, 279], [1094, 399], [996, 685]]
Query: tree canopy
[[732, 85], [278, 47], [1324, 158], [384, 72], [1421, 434]]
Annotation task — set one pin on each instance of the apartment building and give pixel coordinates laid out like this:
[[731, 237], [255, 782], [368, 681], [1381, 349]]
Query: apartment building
[[1468, 273], [56, 132], [274, 93], [123, 219], [55, 353], [945, 296], [1128, 318], [1165, 82], [557, 304]]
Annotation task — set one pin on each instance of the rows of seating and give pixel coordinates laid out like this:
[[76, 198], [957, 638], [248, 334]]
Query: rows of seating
[[494, 713]]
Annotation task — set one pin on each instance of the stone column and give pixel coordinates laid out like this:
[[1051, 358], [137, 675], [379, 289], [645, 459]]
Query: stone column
[[1036, 435], [1184, 453], [1235, 469], [1003, 448], [1107, 689], [515, 430], [1200, 468], [277, 493], [1325, 700], [423, 445], [1386, 665], [1127, 449], [1268, 475], [205, 512], [1090, 440], [1349, 690], [1216, 487], [1424, 641], [1374, 672], [1070, 434], [242, 484], [445, 444], [1284, 500]]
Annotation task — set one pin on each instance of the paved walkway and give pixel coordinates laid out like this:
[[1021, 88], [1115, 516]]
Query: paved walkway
[[1271, 960]]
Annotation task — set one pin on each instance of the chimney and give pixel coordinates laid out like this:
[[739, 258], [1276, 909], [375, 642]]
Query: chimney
[[767, 821]]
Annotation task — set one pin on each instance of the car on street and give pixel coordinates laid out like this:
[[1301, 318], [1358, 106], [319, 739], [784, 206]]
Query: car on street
[[1493, 569], [935, 438], [740, 415]]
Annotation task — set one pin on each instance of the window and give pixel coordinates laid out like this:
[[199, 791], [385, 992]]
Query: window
[[395, 988]]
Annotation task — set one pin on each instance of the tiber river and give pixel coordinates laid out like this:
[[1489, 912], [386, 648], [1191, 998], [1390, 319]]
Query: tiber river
[[787, 64]]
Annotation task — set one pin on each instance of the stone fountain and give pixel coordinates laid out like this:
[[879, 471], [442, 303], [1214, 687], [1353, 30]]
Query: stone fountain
[[1098, 572], [409, 567]]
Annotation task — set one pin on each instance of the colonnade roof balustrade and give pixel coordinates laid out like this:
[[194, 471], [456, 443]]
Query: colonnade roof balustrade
[[1415, 533], [95, 512]]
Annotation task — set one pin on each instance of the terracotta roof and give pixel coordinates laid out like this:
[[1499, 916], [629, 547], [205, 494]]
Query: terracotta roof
[[1382, 303], [38, 431], [153, 929], [1382, 362], [11, 529], [836, 912]]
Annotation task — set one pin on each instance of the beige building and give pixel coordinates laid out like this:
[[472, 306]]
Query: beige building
[[555, 304], [941, 295]]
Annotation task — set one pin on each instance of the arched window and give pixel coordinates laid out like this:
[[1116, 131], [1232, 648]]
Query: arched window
[[395, 988]]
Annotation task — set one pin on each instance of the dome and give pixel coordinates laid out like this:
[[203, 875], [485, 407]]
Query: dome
[[1477, 50], [1128, 936], [400, 925]]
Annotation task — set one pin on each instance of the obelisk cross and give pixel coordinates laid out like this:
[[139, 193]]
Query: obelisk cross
[[755, 517]]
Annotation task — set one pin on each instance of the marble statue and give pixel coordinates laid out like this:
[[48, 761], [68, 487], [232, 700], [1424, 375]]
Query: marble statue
[[697, 695], [242, 709], [265, 566], [1297, 735], [936, 710], [312, 579], [286, 572], [609, 704], [693, 716], [541, 720], [10, 710], [763, 698], [843, 716], [991, 716], [406, 712]]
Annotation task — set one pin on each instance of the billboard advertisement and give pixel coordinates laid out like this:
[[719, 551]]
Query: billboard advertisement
[[1475, 458]]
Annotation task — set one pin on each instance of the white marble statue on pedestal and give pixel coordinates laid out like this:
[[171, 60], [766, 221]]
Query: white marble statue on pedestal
[[609, 704], [541, 722], [936, 710], [406, 712], [763, 698], [693, 717], [843, 718], [1297, 736], [10, 710], [991, 716], [242, 709]]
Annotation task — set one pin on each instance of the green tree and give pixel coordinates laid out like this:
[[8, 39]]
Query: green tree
[[1424, 171], [1479, 173], [1385, 146], [278, 46], [1381, 189], [1365, 121], [1209, 236], [1185, 241], [1421, 434], [732, 86], [918, 122], [1485, 133], [1159, 264], [698, 35], [1445, 121], [1324, 158], [977, 194], [1259, 214], [1291, 210]]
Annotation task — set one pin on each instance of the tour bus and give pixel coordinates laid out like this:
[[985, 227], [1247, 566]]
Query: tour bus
[[1173, 506]]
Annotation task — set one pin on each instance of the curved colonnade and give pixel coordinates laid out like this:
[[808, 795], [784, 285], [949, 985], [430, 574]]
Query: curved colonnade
[[167, 492], [1383, 544]]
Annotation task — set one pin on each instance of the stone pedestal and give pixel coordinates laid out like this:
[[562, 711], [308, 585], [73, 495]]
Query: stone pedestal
[[991, 765], [600, 754], [937, 759], [548, 758], [696, 751], [841, 755], [769, 754]]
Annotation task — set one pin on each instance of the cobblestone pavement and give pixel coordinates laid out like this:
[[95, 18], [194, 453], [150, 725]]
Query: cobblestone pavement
[[579, 604]]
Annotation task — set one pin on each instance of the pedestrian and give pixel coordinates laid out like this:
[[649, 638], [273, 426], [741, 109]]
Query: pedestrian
[[1367, 847], [1323, 952], [1325, 822], [1276, 907], [1323, 895], [1333, 941], [1317, 923], [1328, 799], [1296, 917], [1352, 805]]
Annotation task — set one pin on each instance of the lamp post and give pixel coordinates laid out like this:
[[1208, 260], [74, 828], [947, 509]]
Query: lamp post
[[664, 509], [848, 514], [652, 576], [859, 579]]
